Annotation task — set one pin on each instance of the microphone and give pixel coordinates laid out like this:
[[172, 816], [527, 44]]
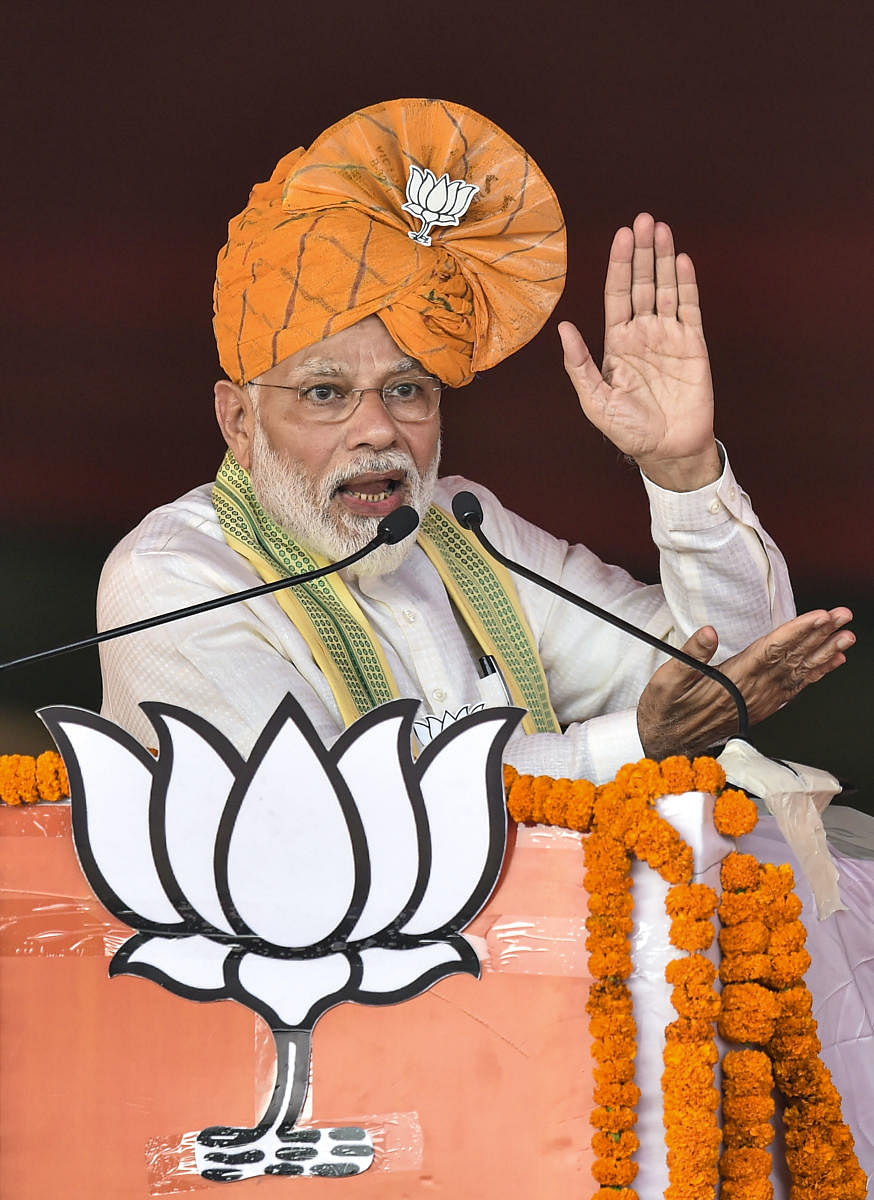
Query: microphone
[[468, 512], [393, 527]]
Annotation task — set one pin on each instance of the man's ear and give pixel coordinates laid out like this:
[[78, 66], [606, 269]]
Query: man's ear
[[235, 414]]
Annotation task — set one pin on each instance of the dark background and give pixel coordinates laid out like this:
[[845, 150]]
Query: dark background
[[133, 134]]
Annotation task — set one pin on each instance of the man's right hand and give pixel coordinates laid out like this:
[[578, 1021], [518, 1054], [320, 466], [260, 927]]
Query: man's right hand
[[683, 712]]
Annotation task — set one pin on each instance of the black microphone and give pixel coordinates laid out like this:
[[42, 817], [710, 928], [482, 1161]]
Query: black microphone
[[468, 512], [393, 527]]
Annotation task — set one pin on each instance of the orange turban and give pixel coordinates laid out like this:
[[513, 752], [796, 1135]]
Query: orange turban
[[345, 229]]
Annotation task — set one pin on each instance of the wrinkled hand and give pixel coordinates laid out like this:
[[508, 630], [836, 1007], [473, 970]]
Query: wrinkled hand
[[682, 712], [653, 397]]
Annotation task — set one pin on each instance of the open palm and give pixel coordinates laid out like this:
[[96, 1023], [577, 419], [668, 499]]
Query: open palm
[[653, 397]]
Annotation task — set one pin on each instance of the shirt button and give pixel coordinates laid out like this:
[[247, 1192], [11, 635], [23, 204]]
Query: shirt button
[[409, 615], [715, 506], [438, 694], [733, 493]]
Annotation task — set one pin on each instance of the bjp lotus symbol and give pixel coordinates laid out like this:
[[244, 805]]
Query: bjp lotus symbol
[[434, 201], [290, 881]]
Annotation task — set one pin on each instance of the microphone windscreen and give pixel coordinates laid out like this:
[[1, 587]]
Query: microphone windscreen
[[467, 510], [398, 524]]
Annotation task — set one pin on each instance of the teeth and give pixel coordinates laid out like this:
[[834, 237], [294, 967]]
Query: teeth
[[370, 497]]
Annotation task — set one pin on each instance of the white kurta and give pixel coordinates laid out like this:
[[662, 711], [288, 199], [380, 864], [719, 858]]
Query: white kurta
[[234, 665]]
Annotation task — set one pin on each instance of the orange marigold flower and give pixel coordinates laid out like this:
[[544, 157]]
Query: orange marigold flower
[[748, 1189], [787, 938], [18, 779], [612, 904], [734, 813], [742, 1133], [794, 1045], [519, 798], [802, 1078], [579, 805], [787, 969], [607, 1024], [659, 845], [52, 780], [677, 775], [744, 968], [739, 872], [776, 880], [682, 1054], [689, 970], [688, 1029], [709, 775], [540, 792], [614, 1172], [695, 900], [616, 1095], [621, 1071], [735, 907], [749, 1110], [616, 1194], [616, 1145], [684, 1133], [795, 1001], [556, 803], [748, 1074], [607, 996], [642, 778], [613, 1120], [689, 934], [746, 1162], [746, 937], [782, 910], [610, 964], [510, 776], [749, 1013]]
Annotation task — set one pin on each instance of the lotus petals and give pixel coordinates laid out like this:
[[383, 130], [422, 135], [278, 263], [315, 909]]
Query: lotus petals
[[114, 785], [293, 988], [196, 794], [292, 825], [387, 972], [466, 822], [385, 807], [186, 964]]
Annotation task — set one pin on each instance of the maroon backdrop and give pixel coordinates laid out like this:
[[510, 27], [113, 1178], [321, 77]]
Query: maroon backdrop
[[134, 133]]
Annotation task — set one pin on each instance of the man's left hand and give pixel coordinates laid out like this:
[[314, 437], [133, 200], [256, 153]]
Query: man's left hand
[[654, 396]]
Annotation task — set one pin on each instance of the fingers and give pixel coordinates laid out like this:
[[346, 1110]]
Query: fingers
[[646, 276], [580, 365], [642, 265], [688, 309], [702, 644], [617, 289]]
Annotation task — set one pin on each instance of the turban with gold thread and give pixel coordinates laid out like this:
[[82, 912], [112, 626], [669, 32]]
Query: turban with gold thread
[[379, 216]]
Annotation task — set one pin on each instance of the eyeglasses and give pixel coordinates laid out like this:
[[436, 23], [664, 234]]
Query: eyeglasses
[[410, 398]]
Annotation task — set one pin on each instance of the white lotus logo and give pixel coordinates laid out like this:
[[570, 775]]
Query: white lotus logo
[[290, 881], [434, 201]]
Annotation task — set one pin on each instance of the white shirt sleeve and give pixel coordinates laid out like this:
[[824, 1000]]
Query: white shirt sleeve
[[717, 566]]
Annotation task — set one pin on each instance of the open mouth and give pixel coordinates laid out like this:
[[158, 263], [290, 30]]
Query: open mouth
[[374, 492]]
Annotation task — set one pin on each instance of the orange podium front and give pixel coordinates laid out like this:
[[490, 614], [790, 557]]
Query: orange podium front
[[477, 1088]]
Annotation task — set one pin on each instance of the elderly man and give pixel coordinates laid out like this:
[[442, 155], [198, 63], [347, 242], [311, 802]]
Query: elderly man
[[412, 245]]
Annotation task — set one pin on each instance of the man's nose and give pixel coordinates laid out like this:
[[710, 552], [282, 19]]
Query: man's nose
[[371, 424]]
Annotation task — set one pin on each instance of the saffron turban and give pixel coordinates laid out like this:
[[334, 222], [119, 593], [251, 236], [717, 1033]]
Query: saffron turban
[[379, 216]]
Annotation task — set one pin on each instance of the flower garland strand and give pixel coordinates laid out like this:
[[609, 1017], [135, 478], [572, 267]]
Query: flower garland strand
[[764, 1001], [26, 780]]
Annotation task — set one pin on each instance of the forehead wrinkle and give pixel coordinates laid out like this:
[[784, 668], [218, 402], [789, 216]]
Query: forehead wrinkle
[[326, 366]]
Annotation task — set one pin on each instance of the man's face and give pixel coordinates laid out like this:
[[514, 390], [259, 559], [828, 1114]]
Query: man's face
[[330, 484]]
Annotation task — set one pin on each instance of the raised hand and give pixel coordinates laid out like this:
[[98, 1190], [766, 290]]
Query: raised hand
[[682, 712], [653, 397]]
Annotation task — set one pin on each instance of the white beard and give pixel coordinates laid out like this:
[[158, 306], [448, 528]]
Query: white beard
[[307, 510]]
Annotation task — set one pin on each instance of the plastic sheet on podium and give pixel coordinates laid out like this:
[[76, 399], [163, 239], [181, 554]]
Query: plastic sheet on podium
[[474, 1089]]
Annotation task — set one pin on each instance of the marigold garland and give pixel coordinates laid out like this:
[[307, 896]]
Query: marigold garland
[[764, 1002], [26, 780]]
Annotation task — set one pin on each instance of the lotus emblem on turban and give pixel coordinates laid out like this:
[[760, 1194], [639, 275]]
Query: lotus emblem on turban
[[436, 201], [289, 881]]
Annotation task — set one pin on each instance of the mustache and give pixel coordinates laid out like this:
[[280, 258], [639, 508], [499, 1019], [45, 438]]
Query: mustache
[[370, 463]]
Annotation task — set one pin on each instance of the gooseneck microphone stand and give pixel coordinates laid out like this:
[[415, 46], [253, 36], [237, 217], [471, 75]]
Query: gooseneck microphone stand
[[468, 512], [393, 527]]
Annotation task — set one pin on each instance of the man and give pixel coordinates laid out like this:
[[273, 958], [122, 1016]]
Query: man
[[338, 322]]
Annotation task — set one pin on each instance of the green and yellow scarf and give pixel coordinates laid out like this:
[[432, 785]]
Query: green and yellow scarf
[[337, 631]]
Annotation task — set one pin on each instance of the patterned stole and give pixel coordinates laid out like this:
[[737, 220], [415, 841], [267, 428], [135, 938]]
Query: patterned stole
[[336, 630]]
